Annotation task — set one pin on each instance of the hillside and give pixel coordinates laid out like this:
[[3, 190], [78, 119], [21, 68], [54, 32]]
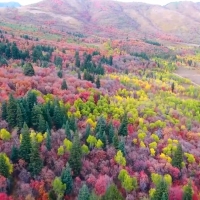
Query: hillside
[[90, 112], [174, 22]]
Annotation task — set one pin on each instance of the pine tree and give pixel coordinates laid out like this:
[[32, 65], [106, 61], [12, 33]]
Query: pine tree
[[177, 158], [67, 131], [172, 87], [187, 194], [116, 141], [28, 70], [84, 193], [72, 124], [98, 83], [123, 127], [42, 124], [4, 111], [79, 75], [35, 116], [64, 85], [111, 133], [75, 156], [87, 132], [164, 196], [121, 147], [31, 100], [48, 140], [36, 164], [112, 193], [12, 111], [66, 178], [161, 189], [20, 119], [14, 154], [58, 117], [25, 146], [101, 124], [4, 168]]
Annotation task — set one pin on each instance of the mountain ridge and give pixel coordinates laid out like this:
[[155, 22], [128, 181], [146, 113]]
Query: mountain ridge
[[174, 21]]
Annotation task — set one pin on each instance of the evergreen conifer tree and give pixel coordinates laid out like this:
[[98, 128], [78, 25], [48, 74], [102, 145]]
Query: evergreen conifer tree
[[66, 178], [98, 83], [123, 127], [4, 110], [67, 131], [12, 111], [36, 164], [75, 156], [14, 154], [28, 70], [177, 158], [4, 168], [64, 85], [42, 124], [187, 193], [19, 119], [25, 145], [48, 140], [84, 193], [112, 193]]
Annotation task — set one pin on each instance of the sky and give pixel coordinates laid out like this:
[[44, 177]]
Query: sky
[[160, 2]]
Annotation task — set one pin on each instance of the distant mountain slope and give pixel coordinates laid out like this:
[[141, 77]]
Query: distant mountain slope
[[178, 21], [9, 4]]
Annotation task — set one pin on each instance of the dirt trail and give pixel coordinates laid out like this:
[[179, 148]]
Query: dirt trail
[[192, 74]]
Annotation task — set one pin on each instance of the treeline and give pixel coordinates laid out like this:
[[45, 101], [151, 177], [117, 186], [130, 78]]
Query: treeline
[[37, 116], [153, 42]]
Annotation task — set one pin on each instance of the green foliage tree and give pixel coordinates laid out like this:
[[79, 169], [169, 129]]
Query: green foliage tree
[[28, 70], [35, 116], [64, 85], [187, 193], [67, 131], [48, 140], [177, 158], [4, 110], [87, 131], [4, 168], [66, 178], [98, 83], [59, 188], [25, 145], [112, 193], [161, 191], [36, 164], [123, 127], [31, 99], [14, 154], [121, 147], [84, 193], [101, 125], [111, 133], [20, 119], [116, 141], [75, 156], [12, 111], [72, 123], [58, 117], [173, 87], [42, 124], [79, 75]]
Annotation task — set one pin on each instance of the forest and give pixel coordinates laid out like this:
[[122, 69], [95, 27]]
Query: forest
[[97, 119]]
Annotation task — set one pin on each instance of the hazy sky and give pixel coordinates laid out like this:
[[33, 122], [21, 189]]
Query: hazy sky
[[161, 2]]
